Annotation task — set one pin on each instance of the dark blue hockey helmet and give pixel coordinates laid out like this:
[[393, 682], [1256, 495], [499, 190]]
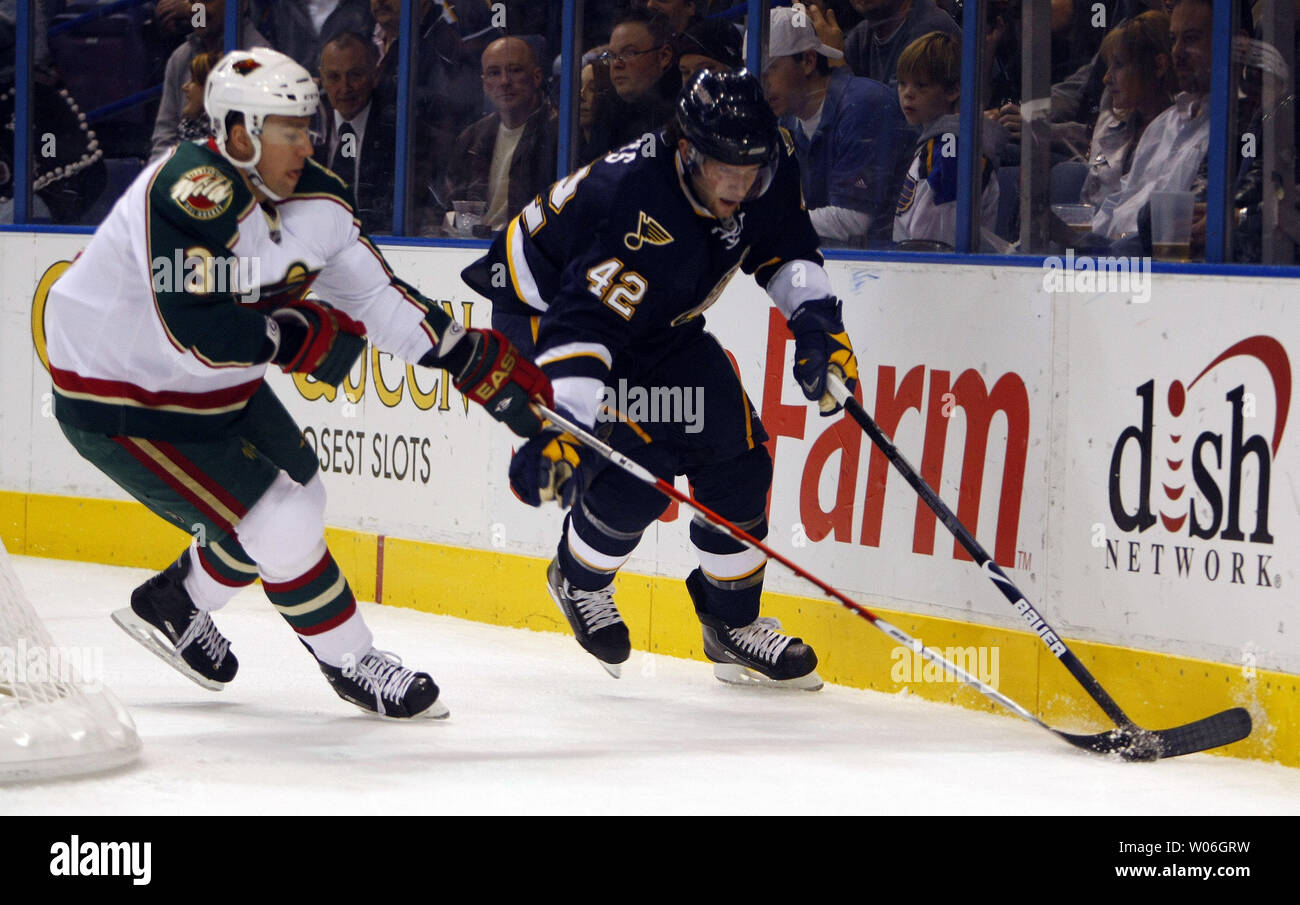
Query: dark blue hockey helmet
[[725, 116]]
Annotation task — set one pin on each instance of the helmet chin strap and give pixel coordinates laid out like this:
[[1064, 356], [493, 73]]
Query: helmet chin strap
[[249, 167], [689, 164]]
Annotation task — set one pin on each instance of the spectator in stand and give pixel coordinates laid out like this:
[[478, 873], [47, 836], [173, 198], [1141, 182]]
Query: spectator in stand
[[873, 47], [358, 132], [929, 90], [681, 14], [1076, 99], [1001, 57], [448, 90], [208, 37], [508, 157], [833, 19], [195, 124], [850, 136], [1141, 81], [303, 27], [1265, 72], [67, 171], [387, 35], [1171, 155], [458, 80], [174, 17], [708, 44], [645, 79], [590, 89]]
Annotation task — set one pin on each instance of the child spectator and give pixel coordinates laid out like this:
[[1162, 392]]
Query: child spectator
[[929, 88]]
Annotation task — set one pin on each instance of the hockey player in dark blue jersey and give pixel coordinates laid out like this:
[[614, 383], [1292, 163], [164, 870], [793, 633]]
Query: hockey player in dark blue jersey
[[604, 281]]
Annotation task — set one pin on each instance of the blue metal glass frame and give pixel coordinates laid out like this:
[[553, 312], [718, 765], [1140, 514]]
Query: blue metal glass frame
[[1217, 195], [568, 49], [967, 156], [231, 33], [407, 17], [754, 36], [22, 111]]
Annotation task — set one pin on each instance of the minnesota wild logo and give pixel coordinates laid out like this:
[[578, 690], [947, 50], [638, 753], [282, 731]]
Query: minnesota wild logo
[[647, 230], [203, 193]]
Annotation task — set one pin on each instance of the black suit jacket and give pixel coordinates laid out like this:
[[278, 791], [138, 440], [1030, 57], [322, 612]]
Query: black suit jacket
[[376, 164]]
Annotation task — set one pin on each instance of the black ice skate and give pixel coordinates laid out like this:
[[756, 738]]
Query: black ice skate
[[163, 618], [754, 654], [380, 684], [593, 618]]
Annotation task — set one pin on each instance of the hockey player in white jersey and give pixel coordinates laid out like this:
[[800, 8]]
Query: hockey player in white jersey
[[159, 382]]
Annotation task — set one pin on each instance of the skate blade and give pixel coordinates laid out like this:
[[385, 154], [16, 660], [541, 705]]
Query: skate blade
[[614, 669], [435, 711], [735, 674], [160, 646]]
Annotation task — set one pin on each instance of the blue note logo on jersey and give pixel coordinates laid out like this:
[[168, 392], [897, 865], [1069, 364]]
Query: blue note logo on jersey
[[906, 196], [649, 231]]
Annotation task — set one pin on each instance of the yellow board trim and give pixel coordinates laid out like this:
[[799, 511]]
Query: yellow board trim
[[1156, 690]]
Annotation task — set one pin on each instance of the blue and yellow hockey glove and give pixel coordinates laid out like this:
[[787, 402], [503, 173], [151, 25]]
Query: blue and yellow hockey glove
[[546, 467], [821, 346]]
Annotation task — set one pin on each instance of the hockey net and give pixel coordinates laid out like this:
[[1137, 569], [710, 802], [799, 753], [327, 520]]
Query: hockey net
[[53, 722]]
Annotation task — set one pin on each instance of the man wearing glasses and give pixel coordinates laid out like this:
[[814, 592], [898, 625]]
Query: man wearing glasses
[[645, 79]]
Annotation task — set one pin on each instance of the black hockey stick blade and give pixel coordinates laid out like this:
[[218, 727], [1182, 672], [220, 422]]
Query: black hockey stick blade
[[1138, 744], [1129, 740]]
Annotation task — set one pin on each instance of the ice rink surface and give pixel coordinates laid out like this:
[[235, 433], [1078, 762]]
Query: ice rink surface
[[537, 727]]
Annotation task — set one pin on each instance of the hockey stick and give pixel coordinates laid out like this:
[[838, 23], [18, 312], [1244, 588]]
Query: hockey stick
[[1128, 742], [1222, 728]]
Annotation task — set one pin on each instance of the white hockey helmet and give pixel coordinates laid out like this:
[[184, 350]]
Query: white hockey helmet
[[256, 83]]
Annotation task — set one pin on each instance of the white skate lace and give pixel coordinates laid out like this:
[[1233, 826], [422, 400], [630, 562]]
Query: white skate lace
[[595, 607], [760, 639], [384, 676], [202, 630]]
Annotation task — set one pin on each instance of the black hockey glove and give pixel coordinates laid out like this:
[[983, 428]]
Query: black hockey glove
[[545, 468], [318, 340], [821, 346]]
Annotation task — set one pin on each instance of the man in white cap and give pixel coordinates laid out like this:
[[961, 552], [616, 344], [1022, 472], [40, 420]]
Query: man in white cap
[[849, 133]]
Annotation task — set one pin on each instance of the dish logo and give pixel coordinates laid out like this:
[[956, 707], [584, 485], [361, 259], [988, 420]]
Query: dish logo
[[1210, 482]]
